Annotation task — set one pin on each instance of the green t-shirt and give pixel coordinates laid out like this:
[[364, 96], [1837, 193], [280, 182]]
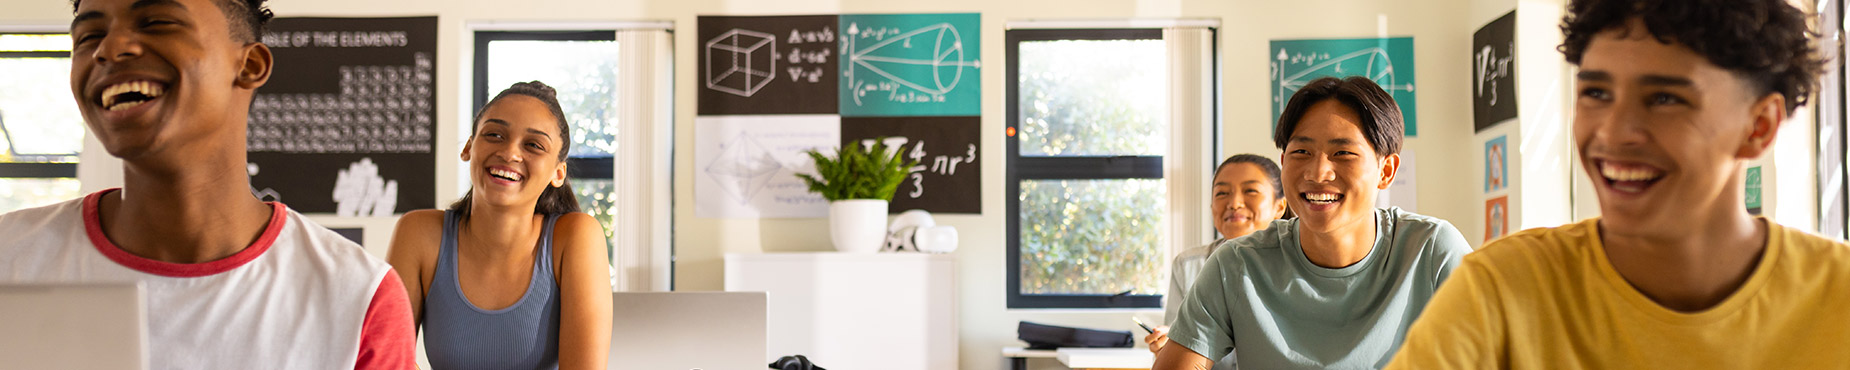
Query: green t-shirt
[[1288, 313]]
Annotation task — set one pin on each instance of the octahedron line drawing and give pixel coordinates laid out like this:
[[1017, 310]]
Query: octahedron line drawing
[[746, 62], [743, 167]]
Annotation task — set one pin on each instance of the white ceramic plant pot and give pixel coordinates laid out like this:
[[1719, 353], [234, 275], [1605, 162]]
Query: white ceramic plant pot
[[857, 225]]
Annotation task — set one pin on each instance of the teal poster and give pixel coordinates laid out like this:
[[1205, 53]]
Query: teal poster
[[1387, 61], [1754, 192], [910, 65]]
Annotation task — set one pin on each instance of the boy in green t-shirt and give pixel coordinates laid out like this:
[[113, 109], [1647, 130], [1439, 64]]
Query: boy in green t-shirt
[[1338, 286]]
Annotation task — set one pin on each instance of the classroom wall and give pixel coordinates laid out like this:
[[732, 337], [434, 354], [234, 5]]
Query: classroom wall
[[1443, 147]]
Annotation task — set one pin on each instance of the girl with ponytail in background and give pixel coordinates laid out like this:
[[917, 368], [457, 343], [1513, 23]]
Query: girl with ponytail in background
[[512, 276]]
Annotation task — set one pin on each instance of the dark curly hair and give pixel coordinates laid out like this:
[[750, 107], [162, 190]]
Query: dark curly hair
[[246, 17], [1382, 123], [1766, 42], [553, 200]]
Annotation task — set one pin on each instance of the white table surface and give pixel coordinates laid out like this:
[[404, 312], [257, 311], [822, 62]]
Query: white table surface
[[1106, 358]]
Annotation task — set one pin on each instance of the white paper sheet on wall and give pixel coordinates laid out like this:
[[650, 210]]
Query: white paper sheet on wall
[[746, 166], [1404, 193]]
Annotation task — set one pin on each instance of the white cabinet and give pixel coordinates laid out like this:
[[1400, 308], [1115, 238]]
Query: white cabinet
[[856, 311]]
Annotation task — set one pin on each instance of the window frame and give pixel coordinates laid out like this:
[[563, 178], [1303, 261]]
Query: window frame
[[1829, 137], [34, 170], [1020, 168]]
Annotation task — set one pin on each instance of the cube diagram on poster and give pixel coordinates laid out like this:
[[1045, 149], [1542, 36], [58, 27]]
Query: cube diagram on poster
[[767, 65]]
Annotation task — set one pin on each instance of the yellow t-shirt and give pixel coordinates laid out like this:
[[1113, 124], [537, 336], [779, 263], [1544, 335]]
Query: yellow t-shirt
[[1549, 299]]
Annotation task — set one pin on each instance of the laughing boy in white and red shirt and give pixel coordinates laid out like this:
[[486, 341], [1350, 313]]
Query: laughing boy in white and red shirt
[[232, 282]]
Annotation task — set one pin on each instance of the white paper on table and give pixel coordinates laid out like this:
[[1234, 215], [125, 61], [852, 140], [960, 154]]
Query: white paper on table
[[1404, 193], [746, 166]]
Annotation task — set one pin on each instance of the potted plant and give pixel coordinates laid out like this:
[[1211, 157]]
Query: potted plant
[[858, 181]]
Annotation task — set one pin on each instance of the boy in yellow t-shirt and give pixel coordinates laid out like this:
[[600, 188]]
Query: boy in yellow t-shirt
[[1673, 96]]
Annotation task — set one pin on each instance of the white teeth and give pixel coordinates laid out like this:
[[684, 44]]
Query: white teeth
[[114, 92], [505, 173], [1320, 197], [1628, 174]]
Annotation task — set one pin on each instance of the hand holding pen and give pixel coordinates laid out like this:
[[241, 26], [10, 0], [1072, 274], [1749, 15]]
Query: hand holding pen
[[1158, 337]]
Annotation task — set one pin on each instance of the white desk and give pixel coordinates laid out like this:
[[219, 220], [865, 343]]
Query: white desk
[[888, 311], [1018, 357], [1083, 358], [1106, 358]]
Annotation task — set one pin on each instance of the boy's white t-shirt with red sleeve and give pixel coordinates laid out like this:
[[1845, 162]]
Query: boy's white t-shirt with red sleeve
[[300, 297]]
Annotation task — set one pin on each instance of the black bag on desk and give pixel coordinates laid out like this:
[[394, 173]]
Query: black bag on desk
[[1041, 336]]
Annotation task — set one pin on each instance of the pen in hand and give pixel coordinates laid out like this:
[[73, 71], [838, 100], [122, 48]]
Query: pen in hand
[[1146, 328]]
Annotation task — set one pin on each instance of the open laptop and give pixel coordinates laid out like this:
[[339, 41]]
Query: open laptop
[[73, 326], [688, 330]]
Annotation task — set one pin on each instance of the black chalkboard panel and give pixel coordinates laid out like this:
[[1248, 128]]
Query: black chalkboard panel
[[354, 234], [767, 65], [949, 176], [347, 124], [1493, 72]]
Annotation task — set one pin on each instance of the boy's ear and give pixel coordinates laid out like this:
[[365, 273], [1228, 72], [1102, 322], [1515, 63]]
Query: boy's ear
[[1390, 166], [256, 66], [1768, 114], [1279, 212]]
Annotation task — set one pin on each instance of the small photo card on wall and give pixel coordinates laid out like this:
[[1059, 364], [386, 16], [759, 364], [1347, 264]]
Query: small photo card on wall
[[1496, 164], [1496, 218]]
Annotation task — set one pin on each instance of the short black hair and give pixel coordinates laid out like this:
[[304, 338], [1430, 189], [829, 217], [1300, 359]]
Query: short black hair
[[1381, 120], [1766, 42], [246, 17], [1265, 165]]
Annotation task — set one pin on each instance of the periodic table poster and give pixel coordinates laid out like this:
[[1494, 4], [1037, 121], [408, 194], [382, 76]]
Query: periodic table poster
[[346, 123]]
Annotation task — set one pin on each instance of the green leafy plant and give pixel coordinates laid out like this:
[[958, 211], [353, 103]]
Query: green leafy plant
[[858, 174]]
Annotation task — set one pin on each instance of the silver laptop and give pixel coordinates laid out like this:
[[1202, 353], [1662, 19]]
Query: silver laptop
[[73, 326], [688, 330]]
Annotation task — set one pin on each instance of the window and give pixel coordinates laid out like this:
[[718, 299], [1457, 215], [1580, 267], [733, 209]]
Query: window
[[41, 131], [1833, 196], [582, 66], [615, 84], [1088, 131]]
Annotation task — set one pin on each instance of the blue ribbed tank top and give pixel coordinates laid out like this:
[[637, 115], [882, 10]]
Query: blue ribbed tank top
[[459, 335]]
